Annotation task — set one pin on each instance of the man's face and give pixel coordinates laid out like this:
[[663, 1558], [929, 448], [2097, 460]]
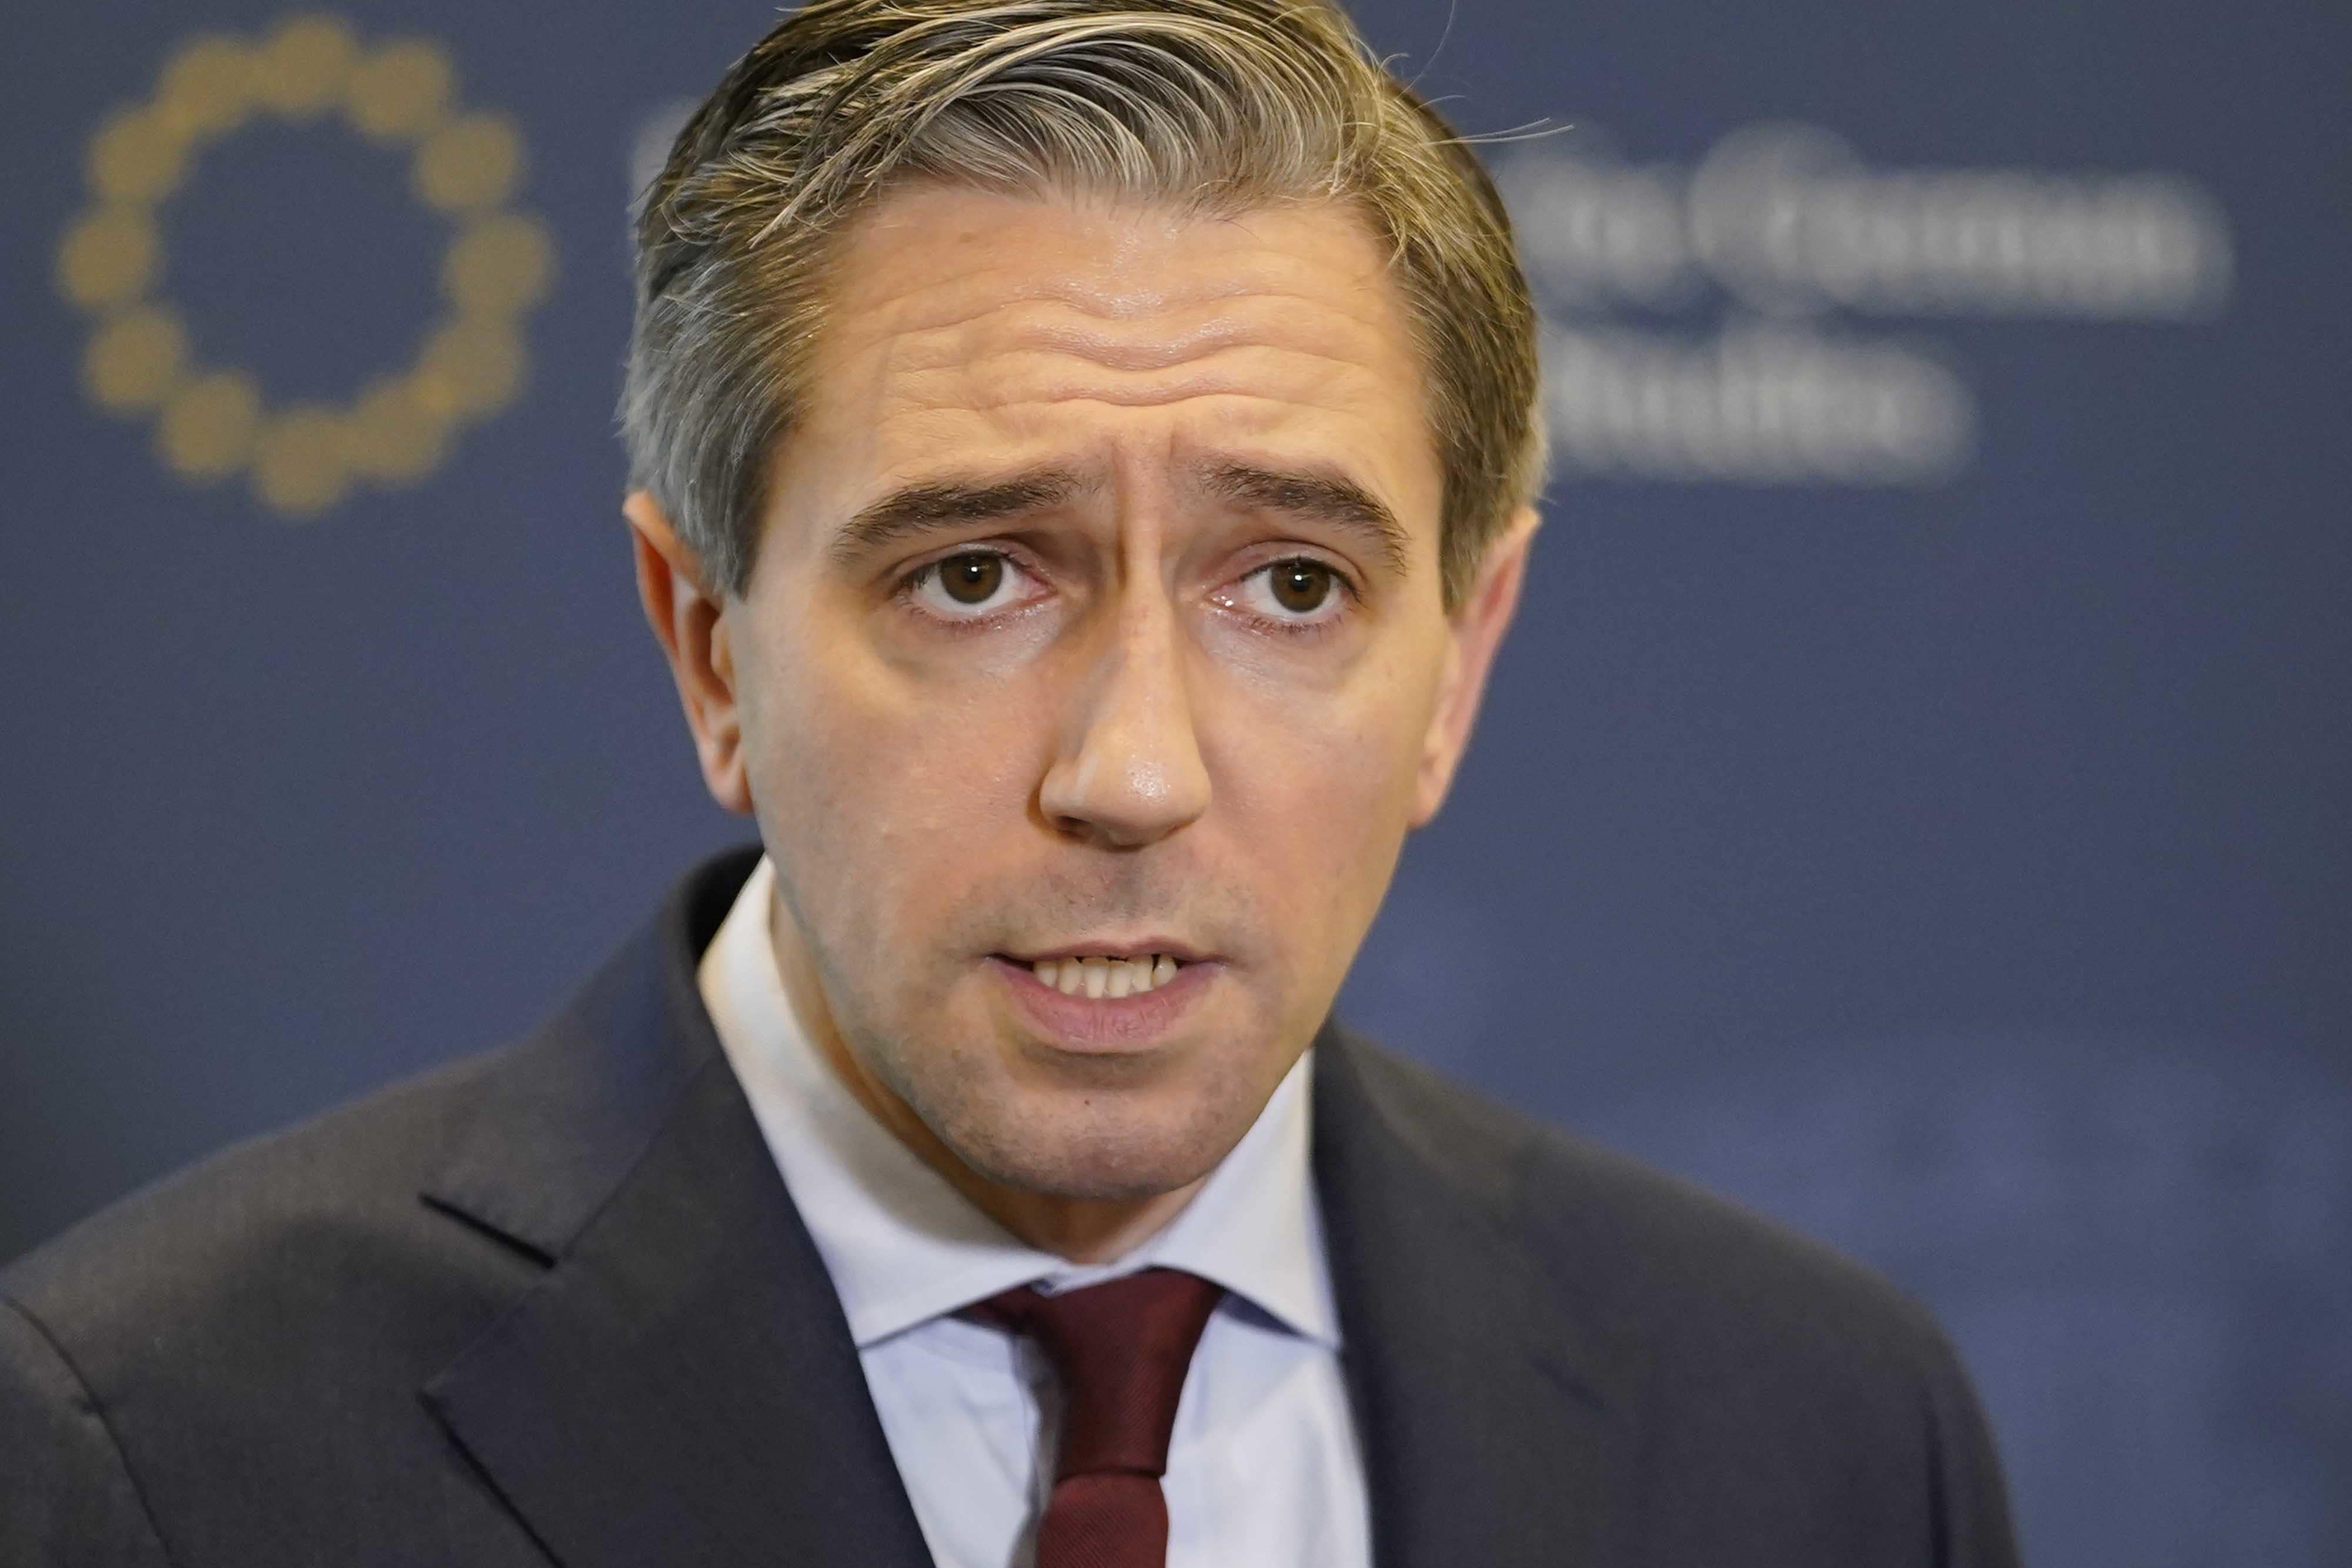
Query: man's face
[[1097, 642]]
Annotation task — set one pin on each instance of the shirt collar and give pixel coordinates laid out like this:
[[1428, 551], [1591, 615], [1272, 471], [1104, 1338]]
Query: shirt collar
[[904, 1247]]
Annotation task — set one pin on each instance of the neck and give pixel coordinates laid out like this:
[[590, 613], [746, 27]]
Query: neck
[[1081, 1229]]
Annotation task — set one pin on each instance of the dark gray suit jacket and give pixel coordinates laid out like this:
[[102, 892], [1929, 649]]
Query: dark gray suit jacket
[[554, 1303]]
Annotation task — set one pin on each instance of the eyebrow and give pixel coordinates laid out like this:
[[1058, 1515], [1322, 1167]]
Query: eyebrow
[[920, 508], [1325, 497], [937, 505]]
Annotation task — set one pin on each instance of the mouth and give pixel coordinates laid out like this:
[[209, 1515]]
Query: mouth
[[1097, 976], [1109, 1000]]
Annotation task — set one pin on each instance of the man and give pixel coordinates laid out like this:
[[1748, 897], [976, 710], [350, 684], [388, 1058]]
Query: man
[[1081, 468]]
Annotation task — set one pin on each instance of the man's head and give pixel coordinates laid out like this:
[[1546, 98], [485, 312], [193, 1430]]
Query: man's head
[[1081, 461]]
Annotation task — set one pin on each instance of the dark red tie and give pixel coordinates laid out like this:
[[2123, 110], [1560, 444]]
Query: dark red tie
[[1120, 1350]]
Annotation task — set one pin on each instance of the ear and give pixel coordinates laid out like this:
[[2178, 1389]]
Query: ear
[[689, 623], [1475, 631]]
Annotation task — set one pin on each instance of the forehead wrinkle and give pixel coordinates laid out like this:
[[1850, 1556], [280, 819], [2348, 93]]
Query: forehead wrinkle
[[999, 274], [1138, 275], [945, 296], [1288, 323], [1322, 382], [1138, 346]]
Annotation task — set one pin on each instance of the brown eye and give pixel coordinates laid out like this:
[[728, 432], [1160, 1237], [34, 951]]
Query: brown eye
[[1301, 587], [971, 579]]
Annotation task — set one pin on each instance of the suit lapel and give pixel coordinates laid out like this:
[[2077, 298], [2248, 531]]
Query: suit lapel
[[1496, 1424], [681, 1385]]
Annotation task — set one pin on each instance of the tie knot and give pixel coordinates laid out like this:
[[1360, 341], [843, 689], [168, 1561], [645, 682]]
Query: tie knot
[[1120, 1350]]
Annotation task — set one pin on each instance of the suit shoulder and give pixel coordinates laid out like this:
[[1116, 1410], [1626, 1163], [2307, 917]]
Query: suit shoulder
[[276, 1228], [1638, 1245], [260, 1326]]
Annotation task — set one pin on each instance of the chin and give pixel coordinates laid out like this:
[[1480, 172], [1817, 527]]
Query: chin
[[1114, 1147], [1126, 1175]]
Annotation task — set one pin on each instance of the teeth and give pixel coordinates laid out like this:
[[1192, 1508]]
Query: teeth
[[1106, 978]]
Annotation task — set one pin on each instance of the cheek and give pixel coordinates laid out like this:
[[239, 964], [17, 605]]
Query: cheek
[[893, 798], [1316, 790]]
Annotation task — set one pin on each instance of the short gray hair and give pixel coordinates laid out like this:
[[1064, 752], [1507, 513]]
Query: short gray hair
[[1217, 105]]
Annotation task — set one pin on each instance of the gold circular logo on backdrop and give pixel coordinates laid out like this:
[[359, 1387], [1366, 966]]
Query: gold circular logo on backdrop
[[210, 420]]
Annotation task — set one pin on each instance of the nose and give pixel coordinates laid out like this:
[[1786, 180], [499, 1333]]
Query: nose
[[1129, 772]]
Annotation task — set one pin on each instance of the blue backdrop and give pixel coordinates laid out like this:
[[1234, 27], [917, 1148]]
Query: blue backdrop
[[1913, 801]]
